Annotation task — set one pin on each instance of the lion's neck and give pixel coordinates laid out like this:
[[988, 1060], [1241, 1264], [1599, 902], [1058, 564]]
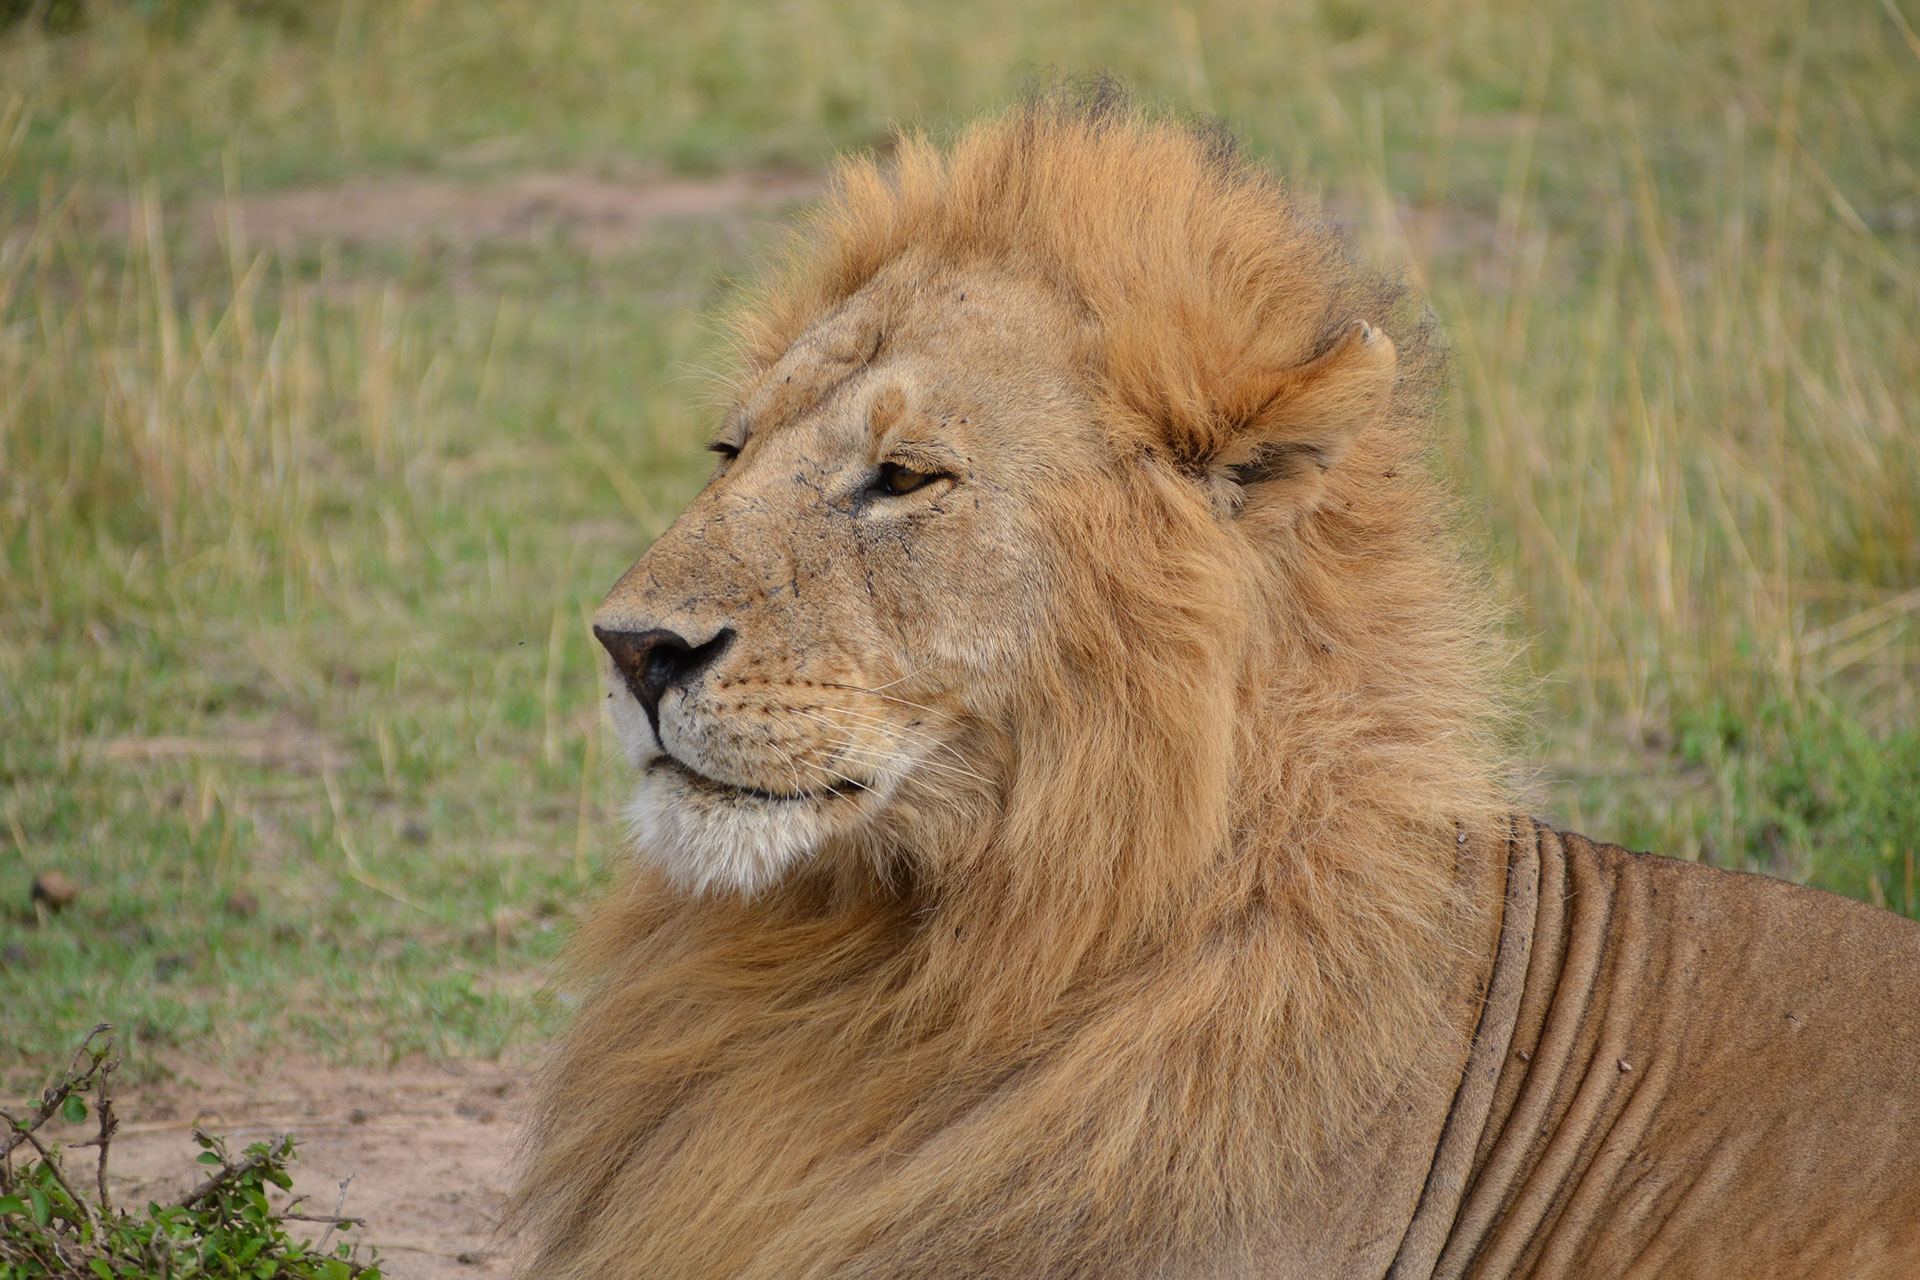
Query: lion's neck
[[796, 1078]]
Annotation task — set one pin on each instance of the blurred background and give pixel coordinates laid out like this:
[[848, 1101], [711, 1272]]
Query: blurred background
[[349, 351]]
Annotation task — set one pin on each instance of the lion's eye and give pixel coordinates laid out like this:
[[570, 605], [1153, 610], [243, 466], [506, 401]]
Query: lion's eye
[[725, 449], [895, 479]]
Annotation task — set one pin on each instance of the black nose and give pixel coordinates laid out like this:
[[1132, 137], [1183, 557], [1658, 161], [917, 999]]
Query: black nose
[[652, 662]]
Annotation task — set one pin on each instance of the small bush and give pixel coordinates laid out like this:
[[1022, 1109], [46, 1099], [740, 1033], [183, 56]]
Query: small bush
[[223, 1229]]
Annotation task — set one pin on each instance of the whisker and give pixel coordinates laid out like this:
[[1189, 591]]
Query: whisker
[[793, 768], [841, 750], [873, 757], [904, 735], [888, 685], [909, 703], [904, 731]]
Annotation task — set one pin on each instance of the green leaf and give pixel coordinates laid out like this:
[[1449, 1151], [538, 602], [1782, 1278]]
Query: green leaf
[[74, 1109], [42, 1207], [12, 1204], [207, 1157], [100, 1268]]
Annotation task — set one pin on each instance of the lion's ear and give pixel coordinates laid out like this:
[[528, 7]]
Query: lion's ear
[[1303, 421]]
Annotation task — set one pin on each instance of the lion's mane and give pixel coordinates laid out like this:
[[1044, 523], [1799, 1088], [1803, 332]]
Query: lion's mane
[[1197, 942]]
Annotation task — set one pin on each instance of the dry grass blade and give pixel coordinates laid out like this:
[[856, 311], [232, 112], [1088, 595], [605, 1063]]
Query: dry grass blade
[[1905, 27]]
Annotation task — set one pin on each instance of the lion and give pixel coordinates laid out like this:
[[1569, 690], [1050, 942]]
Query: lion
[[1070, 836]]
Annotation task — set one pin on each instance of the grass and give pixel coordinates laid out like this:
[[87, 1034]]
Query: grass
[[297, 544]]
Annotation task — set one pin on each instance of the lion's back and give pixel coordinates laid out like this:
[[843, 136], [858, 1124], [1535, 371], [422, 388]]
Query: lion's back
[[1710, 1074]]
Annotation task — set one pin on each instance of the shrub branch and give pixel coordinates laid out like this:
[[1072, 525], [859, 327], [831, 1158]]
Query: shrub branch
[[47, 1228]]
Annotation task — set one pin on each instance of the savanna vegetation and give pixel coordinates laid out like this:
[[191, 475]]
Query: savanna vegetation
[[301, 520]]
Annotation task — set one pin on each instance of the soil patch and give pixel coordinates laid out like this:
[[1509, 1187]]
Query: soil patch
[[599, 215], [428, 1149]]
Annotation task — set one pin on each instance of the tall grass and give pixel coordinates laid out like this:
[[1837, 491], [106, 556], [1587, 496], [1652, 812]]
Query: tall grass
[[296, 545]]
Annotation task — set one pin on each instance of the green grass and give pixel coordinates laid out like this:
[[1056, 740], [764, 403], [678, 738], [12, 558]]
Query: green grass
[[296, 548]]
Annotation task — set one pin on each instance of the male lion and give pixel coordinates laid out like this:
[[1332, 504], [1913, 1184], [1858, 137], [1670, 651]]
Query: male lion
[[1068, 836]]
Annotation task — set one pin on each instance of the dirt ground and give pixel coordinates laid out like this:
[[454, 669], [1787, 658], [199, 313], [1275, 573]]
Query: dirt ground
[[600, 215], [428, 1148]]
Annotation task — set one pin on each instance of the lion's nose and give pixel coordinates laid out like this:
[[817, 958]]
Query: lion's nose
[[652, 662]]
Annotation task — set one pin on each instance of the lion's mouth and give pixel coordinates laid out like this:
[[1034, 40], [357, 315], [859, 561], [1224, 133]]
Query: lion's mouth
[[702, 782]]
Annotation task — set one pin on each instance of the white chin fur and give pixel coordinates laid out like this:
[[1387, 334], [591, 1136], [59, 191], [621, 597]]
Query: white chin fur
[[716, 844], [709, 843]]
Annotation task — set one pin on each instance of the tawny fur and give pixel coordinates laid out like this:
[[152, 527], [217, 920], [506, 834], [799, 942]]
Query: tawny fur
[[1100, 1001]]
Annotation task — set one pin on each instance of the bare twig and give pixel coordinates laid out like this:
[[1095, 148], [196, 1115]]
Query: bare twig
[[338, 1205], [109, 1125], [277, 1150], [332, 1219], [55, 1095]]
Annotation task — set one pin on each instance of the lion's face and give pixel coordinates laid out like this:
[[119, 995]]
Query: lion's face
[[826, 640]]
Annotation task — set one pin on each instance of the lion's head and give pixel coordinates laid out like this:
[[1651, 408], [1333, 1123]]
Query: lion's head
[[1061, 695], [1006, 481]]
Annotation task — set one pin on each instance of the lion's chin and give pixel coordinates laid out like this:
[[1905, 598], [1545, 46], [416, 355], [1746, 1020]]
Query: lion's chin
[[708, 841]]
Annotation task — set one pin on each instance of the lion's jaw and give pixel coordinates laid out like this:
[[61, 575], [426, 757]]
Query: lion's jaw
[[845, 706]]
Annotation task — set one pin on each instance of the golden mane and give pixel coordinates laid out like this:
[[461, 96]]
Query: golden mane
[[1196, 936]]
